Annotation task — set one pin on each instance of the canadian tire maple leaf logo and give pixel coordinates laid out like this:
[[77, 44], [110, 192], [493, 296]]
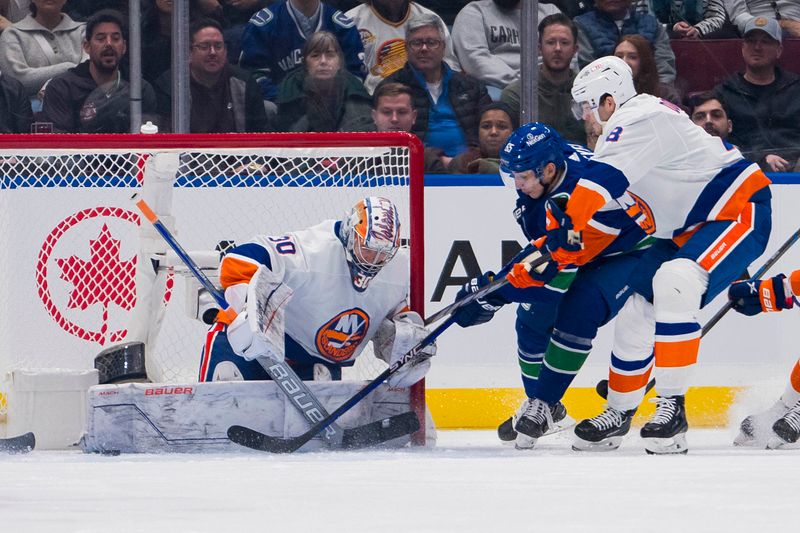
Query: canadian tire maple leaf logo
[[103, 279]]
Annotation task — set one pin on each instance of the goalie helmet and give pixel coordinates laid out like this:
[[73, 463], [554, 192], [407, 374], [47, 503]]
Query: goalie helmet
[[607, 75], [371, 237], [531, 147]]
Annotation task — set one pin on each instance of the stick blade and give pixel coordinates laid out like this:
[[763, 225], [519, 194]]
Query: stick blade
[[21, 444], [380, 431], [354, 438], [255, 440]]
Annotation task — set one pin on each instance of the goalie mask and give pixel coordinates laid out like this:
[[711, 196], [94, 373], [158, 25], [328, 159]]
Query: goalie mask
[[371, 237], [532, 147]]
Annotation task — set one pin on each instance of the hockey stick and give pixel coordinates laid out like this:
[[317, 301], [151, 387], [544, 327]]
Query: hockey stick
[[281, 373], [259, 441], [21, 444], [491, 287], [758, 274]]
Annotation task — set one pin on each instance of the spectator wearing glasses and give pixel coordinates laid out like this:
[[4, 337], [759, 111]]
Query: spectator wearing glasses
[[448, 103], [764, 101], [224, 98], [382, 26], [786, 12]]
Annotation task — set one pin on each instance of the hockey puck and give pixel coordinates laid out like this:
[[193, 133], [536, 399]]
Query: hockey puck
[[121, 363]]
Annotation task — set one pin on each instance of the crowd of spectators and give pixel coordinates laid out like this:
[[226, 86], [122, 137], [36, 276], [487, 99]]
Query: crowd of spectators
[[447, 71]]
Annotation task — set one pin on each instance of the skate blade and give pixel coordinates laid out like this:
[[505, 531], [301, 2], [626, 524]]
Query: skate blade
[[777, 443], [563, 424], [668, 446], [605, 445], [524, 442], [743, 439]]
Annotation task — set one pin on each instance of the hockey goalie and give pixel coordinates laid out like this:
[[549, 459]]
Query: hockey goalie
[[315, 299]]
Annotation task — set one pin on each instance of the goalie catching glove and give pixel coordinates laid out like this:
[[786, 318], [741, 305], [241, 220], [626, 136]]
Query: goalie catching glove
[[481, 310], [755, 296], [395, 338], [258, 330]]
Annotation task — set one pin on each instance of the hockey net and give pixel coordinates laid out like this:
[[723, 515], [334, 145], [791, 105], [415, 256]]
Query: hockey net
[[72, 238]]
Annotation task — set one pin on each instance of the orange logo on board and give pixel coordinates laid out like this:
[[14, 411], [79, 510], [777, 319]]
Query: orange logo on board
[[340, 337]]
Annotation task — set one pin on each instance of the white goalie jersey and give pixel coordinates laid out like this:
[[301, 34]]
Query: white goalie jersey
[[326, 315]]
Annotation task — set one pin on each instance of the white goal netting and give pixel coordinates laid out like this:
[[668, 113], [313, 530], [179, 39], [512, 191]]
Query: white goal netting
[[74, 250]]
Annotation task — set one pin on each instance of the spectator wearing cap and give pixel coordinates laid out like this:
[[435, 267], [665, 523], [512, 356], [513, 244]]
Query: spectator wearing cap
[[786, 12], [709, 112], [764, 101]]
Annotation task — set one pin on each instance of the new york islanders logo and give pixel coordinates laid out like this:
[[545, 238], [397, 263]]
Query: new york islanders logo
[[339, 338]]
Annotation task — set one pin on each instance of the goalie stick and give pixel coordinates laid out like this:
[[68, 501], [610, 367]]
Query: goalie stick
[[602, 385], [259, 441], [281, 373], [20, 444]]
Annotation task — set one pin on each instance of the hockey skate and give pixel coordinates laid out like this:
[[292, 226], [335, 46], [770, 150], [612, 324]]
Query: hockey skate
[[603, 432], [756, 430], [786, 429], [558, 420], [665, 433]]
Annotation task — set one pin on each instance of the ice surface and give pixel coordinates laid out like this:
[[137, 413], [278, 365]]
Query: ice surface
[[468, 483]]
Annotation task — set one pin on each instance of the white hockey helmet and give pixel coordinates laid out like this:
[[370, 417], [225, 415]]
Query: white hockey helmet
[[371, 236], [607, 75]]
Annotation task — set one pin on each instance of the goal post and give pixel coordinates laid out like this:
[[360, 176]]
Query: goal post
[[81, 273]]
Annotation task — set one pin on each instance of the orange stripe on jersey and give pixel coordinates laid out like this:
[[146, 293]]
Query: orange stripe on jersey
[[677, 353], [684, 237], [726, 242], [582, 205], [754, 182], [594, 242], [233, 271], [210, 336], [623, 383], [795, 379]]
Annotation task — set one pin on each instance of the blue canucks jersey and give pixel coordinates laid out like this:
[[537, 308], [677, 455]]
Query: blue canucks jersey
[[273, 41]]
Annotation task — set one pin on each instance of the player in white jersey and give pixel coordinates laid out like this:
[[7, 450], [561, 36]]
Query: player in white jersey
[[710, 211], [384, 39], [333, 288]]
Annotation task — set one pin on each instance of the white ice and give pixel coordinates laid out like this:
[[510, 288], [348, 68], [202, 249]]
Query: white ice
[[468, 483]]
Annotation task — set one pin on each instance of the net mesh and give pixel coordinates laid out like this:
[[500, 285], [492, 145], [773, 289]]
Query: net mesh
[[72, 238]]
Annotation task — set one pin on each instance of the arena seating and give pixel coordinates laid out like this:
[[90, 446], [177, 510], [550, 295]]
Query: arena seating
[[702, 64]]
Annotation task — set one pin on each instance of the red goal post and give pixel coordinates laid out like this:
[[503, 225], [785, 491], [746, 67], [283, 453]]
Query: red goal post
[[74, 247]]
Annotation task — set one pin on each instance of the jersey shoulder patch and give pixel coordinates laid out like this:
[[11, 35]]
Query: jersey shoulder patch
[[262, 17], [342, 20]]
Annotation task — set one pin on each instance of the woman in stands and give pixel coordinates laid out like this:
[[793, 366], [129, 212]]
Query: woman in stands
[[44, 44], [322, 95], [637, 52]]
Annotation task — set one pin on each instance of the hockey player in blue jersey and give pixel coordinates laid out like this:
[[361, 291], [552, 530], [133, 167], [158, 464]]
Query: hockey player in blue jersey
[[273, 40], [562, 310]]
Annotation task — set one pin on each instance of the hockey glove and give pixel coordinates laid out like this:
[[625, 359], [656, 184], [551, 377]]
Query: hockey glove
[[521, 276], [562, 242], [481, 310], [755, 296]]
